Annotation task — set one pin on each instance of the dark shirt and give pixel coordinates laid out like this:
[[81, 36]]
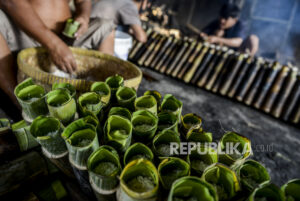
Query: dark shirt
[[237, 31]]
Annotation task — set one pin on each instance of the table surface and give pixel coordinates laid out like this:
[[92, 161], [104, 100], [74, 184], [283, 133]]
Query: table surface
[[275, 143]]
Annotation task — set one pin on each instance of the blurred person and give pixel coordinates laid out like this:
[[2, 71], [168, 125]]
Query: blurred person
[[124, 13], [230, 31]]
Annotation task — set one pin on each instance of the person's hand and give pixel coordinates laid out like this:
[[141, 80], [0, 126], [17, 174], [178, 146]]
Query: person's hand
[[84, 26], [213, 39], [62, 57], [203, 35]]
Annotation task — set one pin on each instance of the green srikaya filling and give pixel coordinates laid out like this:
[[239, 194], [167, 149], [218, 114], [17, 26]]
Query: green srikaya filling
[[143, 127], [139, 156], [105, 168], [141, 184]]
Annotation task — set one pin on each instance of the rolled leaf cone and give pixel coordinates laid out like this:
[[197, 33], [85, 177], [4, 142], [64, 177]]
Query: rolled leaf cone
[[114, 82], [126, 97], [81, 140], [171, 169], [267, 192], [156, 95], [32, 99], [103, 90], [69, 87], [291, 190], [138, 181], [120, 111], [47, 132], [173, 105], [161, 144], [147, 102], [167, 121], [192, 188], [223, 179], [144, 125], [104, 168], [22, 132], [251, 174], [244, 148], [191, 121], [198, 135], [118, 133], [89, 104], [61, 105], [200, 158], [137, 151], [4, 124]]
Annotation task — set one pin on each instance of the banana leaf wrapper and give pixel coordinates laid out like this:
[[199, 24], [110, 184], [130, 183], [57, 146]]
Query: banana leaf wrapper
[[173, 105], [167, 121], [4, 124], [81, 140], [114, 82], [267, 192], [89, 104], [137, 151], [223, 179], [22, 132], [156, 95], [144, 125], [71, 89], [47, 132], [118, 133], [139, 181], [192, 188], [104, 168], [291, 190], [200, 158], [244, 149], [171, 169], [191, 122], [32, 99], [251, 174], [120, 111], [126, 97], [161, 144], [103, 90], [198, 135], [61, 105], [147, 102]]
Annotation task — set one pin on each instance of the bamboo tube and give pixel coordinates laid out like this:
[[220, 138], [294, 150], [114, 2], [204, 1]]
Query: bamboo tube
[[155, 51], [164, 64], [291, 102], [161, 52], [149, 50], [138, 45], [143, 48]]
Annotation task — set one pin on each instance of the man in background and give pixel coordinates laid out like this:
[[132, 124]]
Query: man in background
[[124, 13], [230, 31]]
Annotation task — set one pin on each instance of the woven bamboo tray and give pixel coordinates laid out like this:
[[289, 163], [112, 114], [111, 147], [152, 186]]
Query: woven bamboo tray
[[92, 66]]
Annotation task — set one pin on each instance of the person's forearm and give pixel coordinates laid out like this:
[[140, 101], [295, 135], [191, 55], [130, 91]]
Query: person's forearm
[[83, 9], [139, 33], [231, 42]]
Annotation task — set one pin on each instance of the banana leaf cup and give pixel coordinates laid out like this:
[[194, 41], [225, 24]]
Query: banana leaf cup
[[191, 122], [171, 169], [146, 103], [103, 90], [114, 82], [144, 125], [192, 188], [138, 182], [104, 168], [223, 179], [126, 97], [173, 105], [267, 191], [120, 111], [61, 105], [4, 124], [291, 190], [32, 99], [89, 104], [156, 95], [137, 151], [71, 89], [198, 135], [252, 174], [162, 142], [167, 121], [234, 156], [118, 133], [200, 158]]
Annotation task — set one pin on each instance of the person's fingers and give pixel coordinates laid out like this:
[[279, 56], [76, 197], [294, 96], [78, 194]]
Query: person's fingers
[[74, 65], [69, 68], [79, 32], [63, 68]]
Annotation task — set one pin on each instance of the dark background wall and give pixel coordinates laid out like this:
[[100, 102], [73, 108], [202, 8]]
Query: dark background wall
[[275, 22]]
